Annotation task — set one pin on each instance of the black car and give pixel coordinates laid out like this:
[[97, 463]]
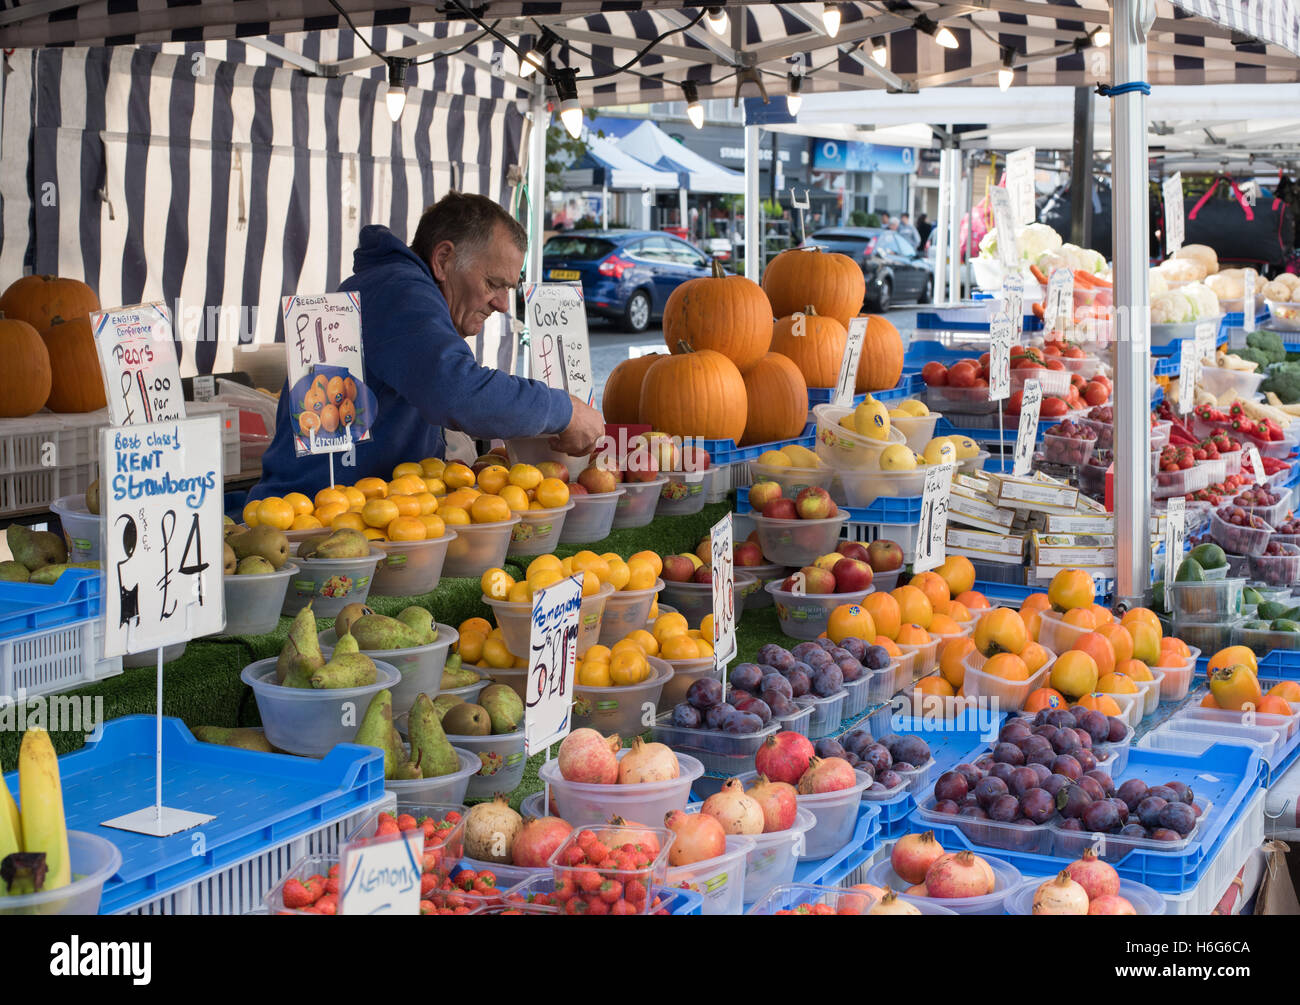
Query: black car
[[893, 268]]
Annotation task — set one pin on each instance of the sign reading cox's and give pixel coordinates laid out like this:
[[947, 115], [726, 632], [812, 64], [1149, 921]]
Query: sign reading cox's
[[329, 403]]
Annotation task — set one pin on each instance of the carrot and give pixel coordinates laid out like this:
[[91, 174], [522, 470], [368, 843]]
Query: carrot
[[1102, 282], [1040, 311], [1083, 279], [1037, 273]]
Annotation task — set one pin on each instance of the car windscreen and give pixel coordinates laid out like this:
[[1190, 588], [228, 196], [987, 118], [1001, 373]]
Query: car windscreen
[[836, 235], [581, 249]]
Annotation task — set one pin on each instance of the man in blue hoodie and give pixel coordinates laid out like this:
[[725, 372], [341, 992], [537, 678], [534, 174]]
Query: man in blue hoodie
[[418, 306]]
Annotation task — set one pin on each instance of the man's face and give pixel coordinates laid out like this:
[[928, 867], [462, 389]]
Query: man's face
[[478, 285]]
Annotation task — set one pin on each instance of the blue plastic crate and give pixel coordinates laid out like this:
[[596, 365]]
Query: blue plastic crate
[[1010, 430], [999, 463], [964, 319], [886, 509], [1237, 319], [949, 746], [1281, 664], [1175, 345], [726, 451], [908, 385], [259, 800], [1009, 594], [922, 351], [1167, 367], [834, 869], [30, 607]]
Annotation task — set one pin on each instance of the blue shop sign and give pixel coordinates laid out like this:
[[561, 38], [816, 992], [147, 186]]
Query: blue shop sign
[[852, 155]]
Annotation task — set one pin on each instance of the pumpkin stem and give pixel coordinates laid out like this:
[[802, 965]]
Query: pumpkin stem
[[57, 320], [685, 346], [810, 311], [718, 271]]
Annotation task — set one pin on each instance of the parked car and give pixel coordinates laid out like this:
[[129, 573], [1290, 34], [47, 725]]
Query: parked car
[[893, 268], [626, 275]]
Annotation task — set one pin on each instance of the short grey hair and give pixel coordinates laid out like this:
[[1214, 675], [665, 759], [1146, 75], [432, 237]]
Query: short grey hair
[[468, 222]]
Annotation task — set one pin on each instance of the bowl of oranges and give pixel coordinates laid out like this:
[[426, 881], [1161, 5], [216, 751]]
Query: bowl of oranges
[[616, 690], [512, 601]]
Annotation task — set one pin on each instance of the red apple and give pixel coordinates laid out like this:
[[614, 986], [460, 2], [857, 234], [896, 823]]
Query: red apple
[[747, 553], [815, 580], [762, 493], [577, 489], [554, 469], [677, 569], [851, 575], [704, 574], [596, 480], [814, 503], [853, 549], [695, 458], [885, 556], [781, 509], [704, 551]]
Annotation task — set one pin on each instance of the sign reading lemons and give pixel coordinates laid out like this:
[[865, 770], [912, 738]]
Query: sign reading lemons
[[329, 404], [1031, 402]]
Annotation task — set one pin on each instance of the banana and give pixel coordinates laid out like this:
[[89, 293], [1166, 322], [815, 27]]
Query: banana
[[10, 826], [44, 827]]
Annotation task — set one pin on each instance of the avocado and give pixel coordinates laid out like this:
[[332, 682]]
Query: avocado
[[1209, 556], [1291, 614], [1270, 609], [1250, 595], [1158, 596], [1286, 625], [1258, 626], [1190, 571]]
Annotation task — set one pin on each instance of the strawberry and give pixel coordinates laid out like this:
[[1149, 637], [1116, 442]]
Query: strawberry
[[634, 890], [596, 906], [406, 822], [565, 887], [573, 855], [428, 883], [588, 880], [622, 907], [487, 878], [328, 904], [296, 894], [465, 879], [610, 891], [576, 906]]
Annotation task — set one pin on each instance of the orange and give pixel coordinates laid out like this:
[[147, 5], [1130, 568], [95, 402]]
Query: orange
[[350, 520], [1001, 631], [480, 625], [434, 526], [641, 575], [1074, 673], [958, 612], [408, 468], [454, 516], [276, 512], [1175, 645], [651, 557], [373, 534], [372, 488], [706, 627], [515, 497], [590, 584], [1044, 697], [1287, 690], [525, 476], [1103, 654], [1101, 615], [1272, 704], [552, 493], [457, 475], [1080, 617], [407, 528], [673, 623], [933, 586], [494, 478], [1209, 702], [593, 674], [589, 561], [850, 621], [648, 643], [471, 645], [705, 647], [328, 512], [489, 509], [628, 668], [1140, 614], [307, 521], [461, 497], [624, 644], [407, 485], [619, 574], [436, 486], [1117, 683], [1035, 656], [330, 495], [380, 512], [1101, 702], [543, 578], [598, 654], [972, 599], [406, 505], [300, 503], [432, 467], [1119, 638], [520, 593], [934, 684], [941, 624], [950, 659], [1171, 658], [1133, 669], [1233, 655], [496, 583], [913, 605], [355, 497], [885, 613], [540, 563], [1071, 588], [497, 655], [912, 635], [680, 647], [1035, 602], [959, 574], [889, 645], [428, 502], [1008, 666]]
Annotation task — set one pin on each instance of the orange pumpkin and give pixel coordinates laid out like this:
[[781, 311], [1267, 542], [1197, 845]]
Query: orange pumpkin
[[25, 375], [622, 398], [815, 343], [777, 398], [695, 394], [76, 381], [38, 300], [728, 314], [832, 283], [881, 365]]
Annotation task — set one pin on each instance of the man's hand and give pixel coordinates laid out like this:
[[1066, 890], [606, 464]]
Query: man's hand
[[584, 429]]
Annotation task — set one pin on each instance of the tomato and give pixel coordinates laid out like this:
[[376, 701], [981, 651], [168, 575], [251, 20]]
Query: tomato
[[1073, 352], [1013, 403], [1096, 394], [1055, 364], [1077, 381], [1051, 349], [963, 374], [934, 374], [1053, 408], [984, 361]]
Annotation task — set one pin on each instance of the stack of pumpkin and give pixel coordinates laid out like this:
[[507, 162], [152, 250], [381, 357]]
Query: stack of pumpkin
[[48, 348], [733, 374]]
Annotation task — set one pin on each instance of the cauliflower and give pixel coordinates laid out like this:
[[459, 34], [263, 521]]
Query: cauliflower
[[1157, 283], [1229, 284], [1072, 257], [1033, 241], [1182, 270], [1172, 307], [1204, 303]]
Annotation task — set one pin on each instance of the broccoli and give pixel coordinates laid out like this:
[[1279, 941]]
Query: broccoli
[[1269, 343], [1284, 381], [1253, 355]]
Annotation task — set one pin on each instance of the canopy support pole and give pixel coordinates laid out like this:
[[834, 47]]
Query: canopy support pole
[[1081, 183], [960, 166], [941, 227], [1130, 22], [753, 208], [537, 183]]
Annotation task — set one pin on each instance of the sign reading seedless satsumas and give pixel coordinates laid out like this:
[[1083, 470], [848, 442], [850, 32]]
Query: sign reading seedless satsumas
[[329, 404]]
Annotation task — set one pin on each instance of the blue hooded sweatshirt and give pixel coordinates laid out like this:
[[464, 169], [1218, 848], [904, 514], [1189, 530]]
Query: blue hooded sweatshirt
[[424, 377]]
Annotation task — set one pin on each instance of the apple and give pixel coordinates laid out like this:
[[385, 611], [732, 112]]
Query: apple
[[885, 556], [577, 489], [596, 479], [704, 574], [677, 569], [852, 575], [641, 467], [828, 561], [695, 458], [815, 580], [501, 451], [853, 549], [814, 503], [665, 452], [781, 509], [704, 551], [747, 553], [753, 536], [554, 469], [762, 493]]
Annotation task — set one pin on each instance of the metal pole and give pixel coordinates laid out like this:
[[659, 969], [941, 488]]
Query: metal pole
[[940, 236], [683, 203], [1081, 171], [537, 183], [1130, 21], [604, 214], [961, 200], [753, 232]]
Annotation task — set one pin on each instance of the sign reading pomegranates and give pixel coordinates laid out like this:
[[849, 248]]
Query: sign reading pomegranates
[[724, 592], [329, 404], [552, 660]]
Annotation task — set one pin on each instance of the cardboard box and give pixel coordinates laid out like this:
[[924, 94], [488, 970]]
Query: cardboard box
[[976, 511], [1073, 550], [1038, 493], [985, 545]]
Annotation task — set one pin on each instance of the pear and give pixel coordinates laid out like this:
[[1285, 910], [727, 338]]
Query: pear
[[307, 546], [92, 498], [347, 667], [244, 739], [301, 655], [455, 674], [262, 540], [380, 632], [421, 622], [14, 572], [254, 565], [376, 729], [343, 543], [407, 771], [430, 748], [504, 707], [229, 561], [35, 548], [48, 574], [467, 720], [444, 702], [347, 617]]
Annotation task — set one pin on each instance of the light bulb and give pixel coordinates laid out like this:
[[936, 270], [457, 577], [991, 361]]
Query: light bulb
[[879, 51], [395, 97], [718, 20], [694, 110], [946, 38], [793, 99], [1005, 76], [831, 19], [531, 63], [396, 101], [571, 116], [1101, 38]]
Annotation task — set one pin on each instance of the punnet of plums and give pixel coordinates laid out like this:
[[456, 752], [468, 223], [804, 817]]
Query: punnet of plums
[[891, 761]]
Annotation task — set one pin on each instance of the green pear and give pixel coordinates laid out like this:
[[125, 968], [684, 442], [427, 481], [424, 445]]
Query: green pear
[[346, 618], [254, 565], [48, 574], [379, 632], [92, 498], [229, 561], [376, 727], [504, 707], [430, 748], [307, 546], [455, 674], [343, 543], [35, 548], [300, 655], [444, 702], [407, 771], [467, 720], [421, 622], [14, 572], [347, 667], [262, 540], [245, 739]]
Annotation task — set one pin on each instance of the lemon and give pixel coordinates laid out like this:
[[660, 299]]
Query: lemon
[[774, 459], [897, 457], [915, 407], [871, 419], [940, 450]]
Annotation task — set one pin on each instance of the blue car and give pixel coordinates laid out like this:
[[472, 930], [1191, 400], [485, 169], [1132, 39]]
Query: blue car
[[626, 275]]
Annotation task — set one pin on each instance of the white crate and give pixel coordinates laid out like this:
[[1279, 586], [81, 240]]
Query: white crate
[[1243, 840], [55, 659], [902, 534], [32, 491], [241, 888], [229, 430], [859, 875]]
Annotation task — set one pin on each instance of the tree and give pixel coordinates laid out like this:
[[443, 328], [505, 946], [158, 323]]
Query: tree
[[561, 152]]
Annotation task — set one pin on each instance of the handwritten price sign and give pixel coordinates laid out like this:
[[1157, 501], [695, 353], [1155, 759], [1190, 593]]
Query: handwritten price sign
[[552, 654], [1175, 528], [932, 536], [330, 405], [161, 487], [557, 322], [724, 592], [1189, 374], [1013, 301], [1004, 218], [382, 875], [1031, 402], [1020, 185], [1000, 358], [137, 357], [1060, 300], [1175, 226], [848, 379]]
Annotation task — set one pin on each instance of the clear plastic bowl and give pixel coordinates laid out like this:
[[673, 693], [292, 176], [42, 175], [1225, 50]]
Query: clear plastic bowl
[[685, 673], [836, 813], [501, 762], [1055, 635], [918, 430], [797, 542], [827, 713], [411, 567], [308, 721], [1144, 899], [330, 584], [973, 465], [1112, 758], [650, 876], [636, 506], [420, 667], [80, 528], [452, 841], [478, 547], [1208, 636], [625, 709], [792, 480], [1280, 449], [1239, 540], [927, 656], [694, 600], [1067, 450], [443, 789], [805, 616], [719, 881], [1071, 844], [1006, 879], [515, 619], [775, 855], [767, 573], [1277, 570], [960, 400], [1285, 316], [1210, 600], [1150, 691], [843, 448], [1131, 707], [536, 449], [583, 803], [1011, 695], [1055, 383], [862, 488], [93, 861], [720, 752], [592, 517], [1022, 837], [683, 495], [253, 602], [1274, 514], [538, 530], [789, 896], [1182, 481], [626, 611], [1178, 680], [1266, 640]]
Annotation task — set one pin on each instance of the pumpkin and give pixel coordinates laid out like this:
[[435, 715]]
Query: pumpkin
[[25, 375], [728, 314], [622, 399], [778, 400], [77, 382], [881, 365], [815, 343], [832, 283], [695, 394], [38, 300]]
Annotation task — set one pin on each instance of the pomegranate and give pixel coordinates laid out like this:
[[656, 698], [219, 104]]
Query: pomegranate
[[537, 839], [890, 904], [647, 762], [784, 757], [737, 812], [959, 875], [778, 801], [913, 855], [1110, 903], [1096, 877], [827, 774], [1061, 895], [586, 756], [699, 837], [917, 891], [633, 833], [858, 905]]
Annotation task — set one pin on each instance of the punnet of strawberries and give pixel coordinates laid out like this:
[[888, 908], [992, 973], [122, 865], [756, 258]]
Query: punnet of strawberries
[[609, 870]]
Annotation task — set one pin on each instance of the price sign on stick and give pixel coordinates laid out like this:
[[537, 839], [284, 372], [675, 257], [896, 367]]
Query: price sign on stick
[[1175, 527], [1005, 221], [1000, 358], [1248, 299], [1030, 403], [1256, 464], [557, 323], [1189, 373], [329, 404], [1020, 185], [724, 592], [382, 875], [1059, 311], [932, 535], [1172, 188], [137, 358], [552, 654], [1013, 301], [848, 380]]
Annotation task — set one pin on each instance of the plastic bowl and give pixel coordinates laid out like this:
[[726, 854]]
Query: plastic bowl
[[253, 602], [789, 896], [1209, 600], [626, 611], [307, 721], [1006, 880], [843, 448], [80, 528], [862, 488], [805, 616], [694, 600], [501, 762], [410, 568], [93, 860], [918, 430], [797, 542], [420, 667], [792, 480], [1010, 695], [1055, 635], [330, 584], [764, 574], [627, 710], [1277, 570], [685, 673], [775, 855], [927, 655], [443, 789], [1150, 690], [1239, 540], [1285, 316], [1219, 381], [636, 506], [960, 400], [591, 518], [836, 813], [536, 449], [683, 495], [587, 803], [538, 530], [1144, 899], [719, 881], [1177, 681], [515, 620], [478, 547]]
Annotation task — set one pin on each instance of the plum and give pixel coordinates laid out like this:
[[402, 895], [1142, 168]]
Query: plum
[[773, 655], [1097, 725], [775, 682], [1003, 772], [1035, 748], [761, 709], [1072, 801], [1177, 817], [989, 789], [804, 649], [826, 644], [746, 677], [800, 680], [1087, 760], [984, 762], [1060, 717], [852, 758], [1055, 783], [951, 786], [1022, 780], [1038, 806], [1046, 732], [1101, 816], [1102, 779], [1065, 742], [1184, 792], [973, 811], [1148, 811], [819, 660], [1042, 771], [1014, 730], [857, 741], [855, 647], [1132, 830], [1065, 764], [705, 693], [875, 657], [715, 715], [1164, 792], [1165, 834], [878, 757], [1118, 729], [1071, 824], [971, 773], [946, 806], [742, 723], [850, 669], [1084, 738], [1121, 808], [1132, 792], [912, 749], [828, 747], [1009, 753], [686, 715], [1092, 787], [1004, 809], [828, 681], [901, 766], [890, 779], [780, 703]]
